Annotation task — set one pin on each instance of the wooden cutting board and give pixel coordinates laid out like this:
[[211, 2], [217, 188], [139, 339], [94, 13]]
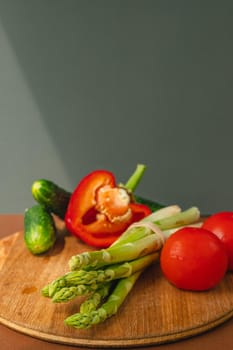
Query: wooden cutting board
[[154, 313]]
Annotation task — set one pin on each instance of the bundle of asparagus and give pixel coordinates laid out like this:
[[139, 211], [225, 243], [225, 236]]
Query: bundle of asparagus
[[107, 276]]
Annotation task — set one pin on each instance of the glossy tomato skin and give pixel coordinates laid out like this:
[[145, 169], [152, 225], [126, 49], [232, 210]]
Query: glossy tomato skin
[[221, 224], [193, 259]]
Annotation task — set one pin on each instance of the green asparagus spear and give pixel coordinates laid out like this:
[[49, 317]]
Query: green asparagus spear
[[109, 308], [136, 241], [45, 291], [133, 234], [75, 279], [79, 279], [68, 293], [114, 264], [164, 223], [126, 252], [96, 298]]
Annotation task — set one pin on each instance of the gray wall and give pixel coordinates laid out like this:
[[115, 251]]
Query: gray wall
[[112, 83]]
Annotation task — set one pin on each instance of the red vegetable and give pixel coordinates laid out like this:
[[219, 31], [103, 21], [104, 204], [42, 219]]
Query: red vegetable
[[194, 259], [99, 211], [221, 224]]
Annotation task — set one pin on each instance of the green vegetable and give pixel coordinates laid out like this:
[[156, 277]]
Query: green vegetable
[[115, 254], [166, 223], [50, 195], [66, 294], [133, 234], [108, 309], [96, 298], [60, 287], [70, 292], [39, 229], [113, 265]]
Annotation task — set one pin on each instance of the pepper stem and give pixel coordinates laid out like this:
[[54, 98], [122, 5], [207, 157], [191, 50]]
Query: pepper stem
[[135, 178]]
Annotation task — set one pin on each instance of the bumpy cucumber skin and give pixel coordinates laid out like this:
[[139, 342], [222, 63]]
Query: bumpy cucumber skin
[[50, 195], [151, 204], [39, 230]]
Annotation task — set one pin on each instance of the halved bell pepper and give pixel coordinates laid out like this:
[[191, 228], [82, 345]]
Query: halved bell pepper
[[99, 210]]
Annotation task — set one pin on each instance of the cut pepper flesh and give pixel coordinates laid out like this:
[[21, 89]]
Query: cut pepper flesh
[[99, 209], [114, 203]]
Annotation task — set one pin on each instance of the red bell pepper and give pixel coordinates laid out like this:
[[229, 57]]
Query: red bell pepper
[[99, 210]]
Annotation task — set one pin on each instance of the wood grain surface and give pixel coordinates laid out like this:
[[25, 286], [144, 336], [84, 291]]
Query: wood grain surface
[[154, 313]]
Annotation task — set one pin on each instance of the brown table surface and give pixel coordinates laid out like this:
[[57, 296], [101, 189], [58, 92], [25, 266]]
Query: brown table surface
[[218, 338]]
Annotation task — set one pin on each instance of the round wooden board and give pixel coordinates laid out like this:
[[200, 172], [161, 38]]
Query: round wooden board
[[154, 313]]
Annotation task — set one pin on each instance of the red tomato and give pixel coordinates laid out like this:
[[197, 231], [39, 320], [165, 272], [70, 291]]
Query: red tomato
[[193, 259], [221, 224]]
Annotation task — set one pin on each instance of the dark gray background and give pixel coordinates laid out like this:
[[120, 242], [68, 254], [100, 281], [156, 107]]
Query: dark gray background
[[112, 83]]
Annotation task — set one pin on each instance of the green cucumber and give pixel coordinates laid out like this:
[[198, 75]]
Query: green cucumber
[[39, 229], [151, 204], [50, 195]]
